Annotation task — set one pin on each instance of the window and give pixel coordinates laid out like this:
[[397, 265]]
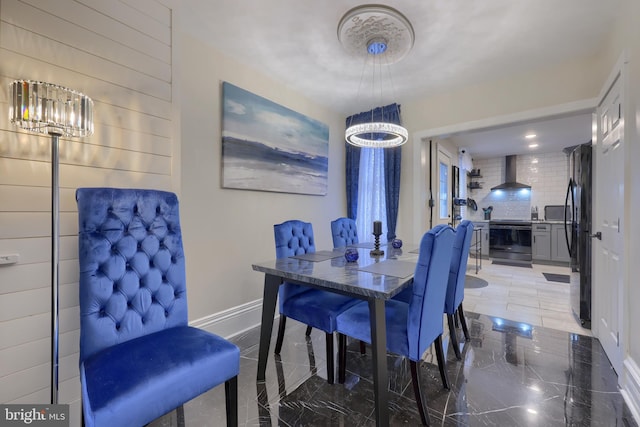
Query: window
[[444, 190], [371, 194]]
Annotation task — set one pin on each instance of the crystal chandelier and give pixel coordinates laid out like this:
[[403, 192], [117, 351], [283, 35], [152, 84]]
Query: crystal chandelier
[[384, 35]]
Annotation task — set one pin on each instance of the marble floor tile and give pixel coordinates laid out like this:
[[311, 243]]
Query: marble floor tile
[[524, 294], [528, 363]]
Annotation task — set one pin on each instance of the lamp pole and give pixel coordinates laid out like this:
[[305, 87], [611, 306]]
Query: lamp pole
[[55, 263], [47, 108]]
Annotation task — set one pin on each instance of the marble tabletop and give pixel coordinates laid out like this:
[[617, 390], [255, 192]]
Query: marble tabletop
[[350, 277]]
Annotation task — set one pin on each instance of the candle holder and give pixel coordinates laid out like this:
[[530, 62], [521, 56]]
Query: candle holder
[[376, 246]]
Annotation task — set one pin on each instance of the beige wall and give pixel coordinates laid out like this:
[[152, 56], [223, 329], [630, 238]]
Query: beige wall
[[571, 82], [225, 230]]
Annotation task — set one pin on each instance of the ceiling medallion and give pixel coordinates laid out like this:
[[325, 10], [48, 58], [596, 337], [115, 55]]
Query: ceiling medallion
[[364, 23]]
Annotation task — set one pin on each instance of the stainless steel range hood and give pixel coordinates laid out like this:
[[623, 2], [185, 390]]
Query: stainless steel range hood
[[510, 177]]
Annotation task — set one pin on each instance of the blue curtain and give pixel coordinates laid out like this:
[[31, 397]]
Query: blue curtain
[[392, 163], [353, 176]]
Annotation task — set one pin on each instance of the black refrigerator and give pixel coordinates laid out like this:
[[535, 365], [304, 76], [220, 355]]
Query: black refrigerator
[[578, 231]]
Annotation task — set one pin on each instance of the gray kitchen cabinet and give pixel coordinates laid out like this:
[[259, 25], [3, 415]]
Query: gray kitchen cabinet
[[559, 251], [541, 245]]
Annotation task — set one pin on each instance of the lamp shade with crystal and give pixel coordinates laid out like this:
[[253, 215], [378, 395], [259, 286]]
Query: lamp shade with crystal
[[50, 109]]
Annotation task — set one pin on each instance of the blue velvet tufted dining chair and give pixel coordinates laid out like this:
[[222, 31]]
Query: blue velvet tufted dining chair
[[344, 232], [411, 327], [455, 288], [139, 359], [313, 307]]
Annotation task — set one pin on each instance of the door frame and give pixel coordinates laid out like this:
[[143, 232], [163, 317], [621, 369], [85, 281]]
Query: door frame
[[450, 161]]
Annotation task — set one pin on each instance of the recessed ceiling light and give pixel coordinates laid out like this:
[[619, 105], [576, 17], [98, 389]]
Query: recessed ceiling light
[[530, 136], [533, 145]]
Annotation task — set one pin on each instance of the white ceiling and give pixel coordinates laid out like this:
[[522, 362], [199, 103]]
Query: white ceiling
[[457, 43], [552, 135]]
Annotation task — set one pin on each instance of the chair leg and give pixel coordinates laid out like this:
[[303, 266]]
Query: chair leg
[[231, 399], [417, 391], [441, 362], [453, 334], [330, 356], [342, 358], [463, 322], [363, 348], [308, 330], [180, 415], [281, 325]]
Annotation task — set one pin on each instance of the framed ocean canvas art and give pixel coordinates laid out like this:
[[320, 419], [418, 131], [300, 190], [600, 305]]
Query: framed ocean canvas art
[[268, 147]]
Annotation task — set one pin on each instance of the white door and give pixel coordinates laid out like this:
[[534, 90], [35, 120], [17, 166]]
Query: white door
[[442, 214], [608, 209]]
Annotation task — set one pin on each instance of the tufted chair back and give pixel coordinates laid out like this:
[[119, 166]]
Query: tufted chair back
[[344, 232], [293, 237], [458, 269], [132, 270], [424, 322]]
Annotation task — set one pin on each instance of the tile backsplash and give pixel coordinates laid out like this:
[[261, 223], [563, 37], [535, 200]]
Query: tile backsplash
[[547, 174]]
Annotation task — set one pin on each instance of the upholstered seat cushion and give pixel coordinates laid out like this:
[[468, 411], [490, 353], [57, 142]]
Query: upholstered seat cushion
[[354, 322], [317, 308], [158, 371]]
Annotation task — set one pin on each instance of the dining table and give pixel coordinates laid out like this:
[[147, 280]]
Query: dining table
[[374, 279]]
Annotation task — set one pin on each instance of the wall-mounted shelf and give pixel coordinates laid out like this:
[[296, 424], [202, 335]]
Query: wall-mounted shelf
[[473, 176]]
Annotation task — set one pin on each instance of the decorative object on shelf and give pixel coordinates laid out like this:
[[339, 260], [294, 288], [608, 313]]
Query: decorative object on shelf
[[385, 36], [396, 243], [351, 254], [377, 231], [284, 151], [56, 111], [487, 212]]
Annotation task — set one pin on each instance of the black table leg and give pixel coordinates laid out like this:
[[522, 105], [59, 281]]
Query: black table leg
[[271, 286], [379, 350]]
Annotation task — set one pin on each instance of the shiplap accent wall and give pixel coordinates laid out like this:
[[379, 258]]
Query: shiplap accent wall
[[118, 52]]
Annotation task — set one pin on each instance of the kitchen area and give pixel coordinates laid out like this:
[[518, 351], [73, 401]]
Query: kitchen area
[[518, 204], [520, 223]]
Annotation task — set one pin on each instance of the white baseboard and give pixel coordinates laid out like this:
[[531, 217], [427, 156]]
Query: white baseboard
[[631, 387], [233, 321]]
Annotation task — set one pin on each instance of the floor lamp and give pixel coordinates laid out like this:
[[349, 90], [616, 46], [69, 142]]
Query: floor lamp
[[57, 111]]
